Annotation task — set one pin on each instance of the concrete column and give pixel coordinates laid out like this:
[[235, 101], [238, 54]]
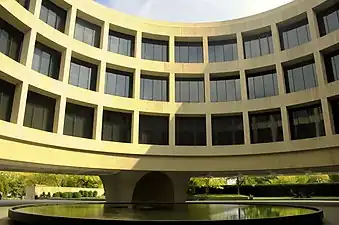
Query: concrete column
[[171, 131], [240, 46], [243, 85], [207, 87], [27, 49], [120, 187], [205, 48], [101, 77], [19, 104], [59, 115], [171, 91], [313, 24], [135, 127], [276, 38], [136, 84], [65, 65], [138, 45], [171, 49], [280, 78], [285, 123], [34, 7], [247, 130], [70, 21], [97, 123], [104, 36], [320, 69], [208, 129], [327, 117]]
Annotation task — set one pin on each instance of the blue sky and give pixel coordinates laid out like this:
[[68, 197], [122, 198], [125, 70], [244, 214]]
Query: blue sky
[[193, 10]]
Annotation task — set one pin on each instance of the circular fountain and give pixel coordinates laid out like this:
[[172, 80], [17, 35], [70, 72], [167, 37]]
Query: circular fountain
[[192, 213]]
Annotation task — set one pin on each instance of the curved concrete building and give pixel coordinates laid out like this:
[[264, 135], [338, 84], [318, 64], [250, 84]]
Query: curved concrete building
[[87, 89]]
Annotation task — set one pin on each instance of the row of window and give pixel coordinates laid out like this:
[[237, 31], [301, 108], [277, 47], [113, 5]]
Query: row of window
[[291, 35], [305, 122]]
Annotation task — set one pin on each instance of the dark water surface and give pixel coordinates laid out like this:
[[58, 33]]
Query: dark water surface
[[175, 212]]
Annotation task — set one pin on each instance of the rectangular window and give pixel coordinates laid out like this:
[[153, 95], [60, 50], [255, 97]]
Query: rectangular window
[[46, 60], [189, 52], [39, 113], [53, 15], [332, 66], [10, 40], [295, 34], [87, 32], [154, 50], [24, 3], [78, 121], [83, 74], [266, 127], [121, 43], [222, 51], [227, 130], [154, 88], [116, 126], [328, 20], [335, 114], [6, 100], [190, 131], [306, 122], [153, 130], [189, 90], [262, 85], [224, 89], [258, 45], [300, 77], [119, 83]]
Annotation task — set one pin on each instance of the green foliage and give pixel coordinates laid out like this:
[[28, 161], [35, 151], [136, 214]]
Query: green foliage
[[48, 195], [90, 194], [333, 178], [76, 195], [57, 194], [85, 194], [65, 195], [95, 194], [81, 193]]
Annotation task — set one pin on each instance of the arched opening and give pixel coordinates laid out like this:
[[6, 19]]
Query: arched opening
[[154, 187]]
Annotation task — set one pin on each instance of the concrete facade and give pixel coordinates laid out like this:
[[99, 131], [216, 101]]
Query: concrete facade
[[23, 148]]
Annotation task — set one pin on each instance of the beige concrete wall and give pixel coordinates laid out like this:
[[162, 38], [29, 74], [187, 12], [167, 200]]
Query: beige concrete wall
[[31, 191], [20, 144]]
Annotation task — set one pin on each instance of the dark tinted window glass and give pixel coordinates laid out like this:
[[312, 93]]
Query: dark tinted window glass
[[227, 130], [6, 100], [24, 3], [121, 43], [300, 77], [153, 130], [306, 122], [154, 50], [53, 15], [190, 131], [189, 90], [118, 83], [78, 121], [258, 45], [266, 127], [87, 32], [262, 85], [335, 114], [116, 126], [154, 88], [46, 61], [225, 89], [39, 113], [188, 52], [328, 20], [83, 74], [10, 40], [221, 51], [332, 66], [295, 34]]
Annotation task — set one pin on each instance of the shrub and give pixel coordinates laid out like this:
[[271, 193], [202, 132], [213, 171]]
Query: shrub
[[43, 195], [48, 195], [90, 194], [57, 194], [95, 194], [81, 193], [76, 195], [65, 195], [85, 194]]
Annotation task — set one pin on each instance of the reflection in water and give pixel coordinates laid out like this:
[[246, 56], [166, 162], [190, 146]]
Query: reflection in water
[[176, 212]]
